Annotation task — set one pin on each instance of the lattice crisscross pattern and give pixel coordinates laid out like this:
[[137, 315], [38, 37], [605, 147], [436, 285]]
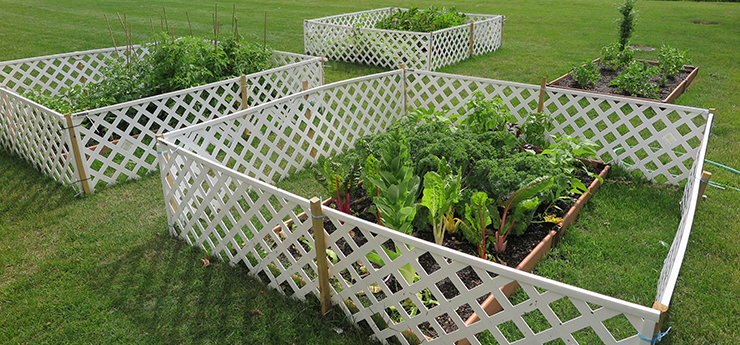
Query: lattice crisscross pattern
[[663, 138], [674, 259], [49, 74], [36, 134], [352, 37], [241, 219], [270, 142], [120, 138]]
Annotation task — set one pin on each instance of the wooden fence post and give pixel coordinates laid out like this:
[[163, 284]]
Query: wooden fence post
[[663, 310], [471, 39], [405, 94], [243, 88], [705, 176], [541, 104], [320, 244], [78, 155], [322, 69], [431, 44], [304, 85]]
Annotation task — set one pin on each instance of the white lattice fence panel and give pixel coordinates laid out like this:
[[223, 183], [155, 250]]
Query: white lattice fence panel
[[120, 138], [37, 134], [487, 35], [450, 92], [352, 37], [660, 140], [449, 46], [379, 296], [391, 48], [239, 219], [49, 74], [273, 140], [674, 259]]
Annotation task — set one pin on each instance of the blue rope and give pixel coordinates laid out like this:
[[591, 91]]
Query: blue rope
[[656, 338], [165, 151], [313, 215]]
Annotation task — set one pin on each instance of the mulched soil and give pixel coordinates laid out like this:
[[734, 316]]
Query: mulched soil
[[518, 247], [602, 85]]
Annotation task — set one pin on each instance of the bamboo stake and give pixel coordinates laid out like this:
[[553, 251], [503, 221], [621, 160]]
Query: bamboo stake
[[78, 157], [541, 103], [111, 33], [304, 84], [189, 25], [236, 28], [172, 33], [166, 23], [151, 22], [233, 17], [471, 39], [321, 261], [161, 23], [705, 176]]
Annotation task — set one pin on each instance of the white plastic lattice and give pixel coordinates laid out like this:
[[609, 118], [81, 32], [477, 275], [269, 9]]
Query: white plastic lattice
[[118, 141], [274, 140], [49, 74], [36, 134], [672, 265], [351, 37], [216, 158], [661, 140], [243, 220]]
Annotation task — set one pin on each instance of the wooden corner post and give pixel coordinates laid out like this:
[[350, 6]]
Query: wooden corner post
[[541, 103], [304, 85], [663, 310], [319, 236], [705, 176], [79, 163]]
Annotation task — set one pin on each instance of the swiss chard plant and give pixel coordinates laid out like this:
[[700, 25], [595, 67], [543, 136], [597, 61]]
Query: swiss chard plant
[[342, 178], [524, 197], [441, 192], [478, 218]]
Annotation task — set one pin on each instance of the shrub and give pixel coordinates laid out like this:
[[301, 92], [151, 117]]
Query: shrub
[[634, 80], [428, 20], [586, 75]]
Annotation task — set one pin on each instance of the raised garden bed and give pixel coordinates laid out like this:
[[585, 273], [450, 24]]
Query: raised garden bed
[[116, 142], [352, 37], [216, 195], [667, 94]]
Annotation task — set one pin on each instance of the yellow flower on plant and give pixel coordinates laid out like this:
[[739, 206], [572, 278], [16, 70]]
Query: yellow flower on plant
[[553, 219]]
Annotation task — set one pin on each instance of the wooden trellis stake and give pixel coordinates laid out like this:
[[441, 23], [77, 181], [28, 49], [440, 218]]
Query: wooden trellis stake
[[78, 157], [663, 310], [304, 84], [245, 99], [321, 261], [431, 43], [541, 104], [471, 39], [322, 69]]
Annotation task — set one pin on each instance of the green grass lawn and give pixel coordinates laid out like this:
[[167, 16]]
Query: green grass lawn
[[87, 269]]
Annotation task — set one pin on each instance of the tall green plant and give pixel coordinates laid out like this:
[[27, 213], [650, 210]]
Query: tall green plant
[[626, 22], [478, 218], [521, 197], [342, 178], [486, 114]]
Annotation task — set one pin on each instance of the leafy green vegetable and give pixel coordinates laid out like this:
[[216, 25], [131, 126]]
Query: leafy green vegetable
[[441, 191], [428, 20], [478, 218]]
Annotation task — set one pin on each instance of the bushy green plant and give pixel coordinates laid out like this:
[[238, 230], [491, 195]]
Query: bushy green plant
[[484, 115], [170, 65], [586, 74], [498, 177], [671, 61], [635, 80], [428, 20], [614, 56], [626, 22], [534, 129]]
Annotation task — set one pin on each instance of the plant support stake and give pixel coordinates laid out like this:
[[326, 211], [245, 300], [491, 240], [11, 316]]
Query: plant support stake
[[321, 261], [541, 103], [78, 158]]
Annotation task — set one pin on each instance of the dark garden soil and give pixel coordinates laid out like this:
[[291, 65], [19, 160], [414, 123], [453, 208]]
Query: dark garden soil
[[602, 85], [518, 247]]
